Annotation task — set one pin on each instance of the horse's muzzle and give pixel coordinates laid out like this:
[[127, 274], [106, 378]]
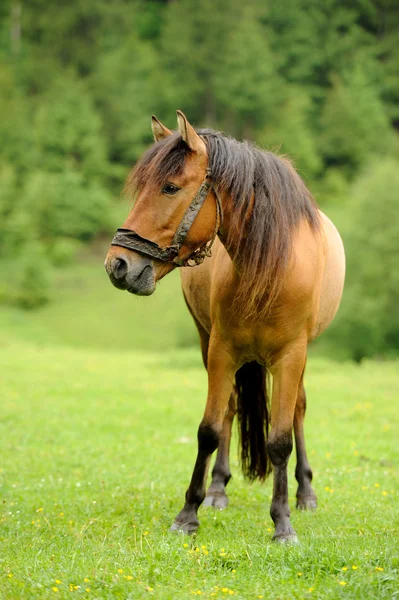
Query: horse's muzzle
[[130, 271]]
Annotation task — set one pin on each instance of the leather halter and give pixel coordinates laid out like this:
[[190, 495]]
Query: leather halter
[[126, 238]]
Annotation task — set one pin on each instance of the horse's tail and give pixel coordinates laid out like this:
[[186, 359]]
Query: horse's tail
[[253, 418]]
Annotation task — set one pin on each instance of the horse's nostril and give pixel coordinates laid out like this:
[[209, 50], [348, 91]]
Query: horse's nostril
[[120, 268]]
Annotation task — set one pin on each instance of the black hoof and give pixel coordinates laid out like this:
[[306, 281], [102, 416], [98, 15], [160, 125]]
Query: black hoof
[[286, 538], [285, 534], [306, 502], [188, 527], [217, 500]]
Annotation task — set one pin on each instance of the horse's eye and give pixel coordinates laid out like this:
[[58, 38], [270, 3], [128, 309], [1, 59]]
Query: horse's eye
[[170, 189]]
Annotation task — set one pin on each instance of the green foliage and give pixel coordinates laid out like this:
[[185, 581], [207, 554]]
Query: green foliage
[[291, 133], [354, 124], [65, 205], [247, 86], [128, 85], [368, 324], [69, 131]]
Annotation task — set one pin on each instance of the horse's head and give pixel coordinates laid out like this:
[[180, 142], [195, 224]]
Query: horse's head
[[171, 176]]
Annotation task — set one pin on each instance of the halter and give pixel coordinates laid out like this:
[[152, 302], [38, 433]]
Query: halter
[[126, 238]]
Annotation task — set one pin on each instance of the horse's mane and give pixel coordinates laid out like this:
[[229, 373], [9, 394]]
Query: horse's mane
[[269, 200]]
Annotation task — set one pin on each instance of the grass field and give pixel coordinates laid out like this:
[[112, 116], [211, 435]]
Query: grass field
[[97, 450]]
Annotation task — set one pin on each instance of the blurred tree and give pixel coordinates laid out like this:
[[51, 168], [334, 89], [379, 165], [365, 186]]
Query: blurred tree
[[193, 47], [368, 322], [247, 89], [69, 130], [128, 86], [291, 133], [354, 124]]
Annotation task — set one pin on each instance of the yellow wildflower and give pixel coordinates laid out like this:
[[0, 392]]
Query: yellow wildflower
[[54, 588], [379, 569], [86, 580], [120, 571], [354, 567], [58, 581], [342, 582], [344, 568]]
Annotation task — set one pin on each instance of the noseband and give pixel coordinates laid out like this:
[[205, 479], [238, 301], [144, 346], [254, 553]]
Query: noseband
[[126, 238]]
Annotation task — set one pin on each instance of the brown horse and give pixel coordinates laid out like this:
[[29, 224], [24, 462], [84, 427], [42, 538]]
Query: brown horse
[[273, 284]]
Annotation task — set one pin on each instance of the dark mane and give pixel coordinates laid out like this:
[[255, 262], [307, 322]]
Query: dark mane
[[269, 200]]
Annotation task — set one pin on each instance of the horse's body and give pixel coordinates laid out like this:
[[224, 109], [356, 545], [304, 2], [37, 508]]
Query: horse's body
[[316, 272], [273, 284]]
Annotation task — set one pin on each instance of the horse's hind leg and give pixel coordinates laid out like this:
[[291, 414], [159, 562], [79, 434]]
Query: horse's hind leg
[[306, 497], [216, 494], [287, 374]]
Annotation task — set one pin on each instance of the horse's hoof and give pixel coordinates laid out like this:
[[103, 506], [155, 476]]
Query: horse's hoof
[[286, 538], [187, 528], [306, 502], [217, 500], [285, 534]]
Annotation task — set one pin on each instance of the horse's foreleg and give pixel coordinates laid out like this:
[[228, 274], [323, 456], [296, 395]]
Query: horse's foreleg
[[221, 371], [286, 378], [216, 494], [306, 497]]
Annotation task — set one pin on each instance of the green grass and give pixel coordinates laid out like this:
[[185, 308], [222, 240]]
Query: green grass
[[97, 450]]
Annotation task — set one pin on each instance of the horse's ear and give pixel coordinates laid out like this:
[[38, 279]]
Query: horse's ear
[[159, 131], [189, 135]]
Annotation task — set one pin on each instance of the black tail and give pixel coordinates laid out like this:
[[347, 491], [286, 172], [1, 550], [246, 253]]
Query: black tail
[[253, 418]]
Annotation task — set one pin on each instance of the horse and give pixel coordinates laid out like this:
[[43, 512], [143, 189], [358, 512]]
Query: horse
[[272, 283]]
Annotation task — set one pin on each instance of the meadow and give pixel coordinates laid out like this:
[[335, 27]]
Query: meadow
[[98, 440]]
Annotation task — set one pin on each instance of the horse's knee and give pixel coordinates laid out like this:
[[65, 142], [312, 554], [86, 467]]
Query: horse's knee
[[279, 449], [208, 438]]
